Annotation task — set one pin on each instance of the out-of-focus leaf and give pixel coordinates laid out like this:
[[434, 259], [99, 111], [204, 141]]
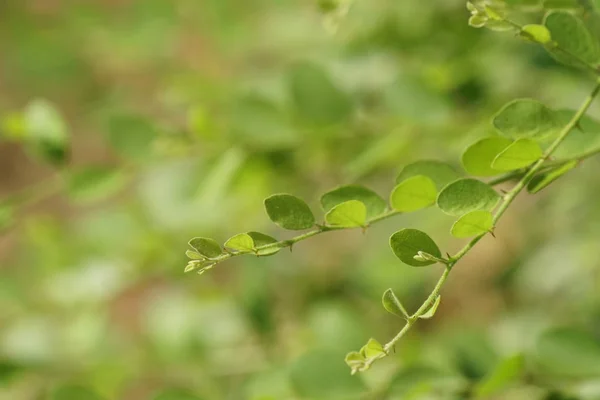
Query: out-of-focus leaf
[[95, 183], [7, 214], [47, 131], [576, 45], [477, 159], [544, 180], [519, 154], [506, 373], [569, 352], [175, 394]]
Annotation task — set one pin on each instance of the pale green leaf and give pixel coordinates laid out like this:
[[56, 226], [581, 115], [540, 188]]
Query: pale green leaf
[[473, 223], [240, 242], [413, 194], [356, 361], [569, 352], [431, 311], [536, 33], [572, 43], [466, 195], [289, 212], [526, 118], [503, 376], [373, 202], [373, 349], [406, 244], [260, 239], [477, 21], [439, 172], [477, 159], [521, 153], [209, 248], [542, 181], [194, 255], [392, 304], [349, 214]]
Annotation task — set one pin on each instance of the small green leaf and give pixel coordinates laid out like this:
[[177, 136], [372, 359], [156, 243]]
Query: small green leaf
[[73, 392], [373, 202], [373, 349], [392, 304], [505, 374], [406, 244], [569, 352], [521, 153], [349, 214], [477, 21], [439, 172], [542, 181], [526, 118], [356, 361], [260, 239], [536, 33], [477, 159], [431, 312], [413, 194], [473, 224], [466, 195], [193, 255], [95, 183], [289, 212], [209, 248], [47, 131], [240, 242], [571, 40]]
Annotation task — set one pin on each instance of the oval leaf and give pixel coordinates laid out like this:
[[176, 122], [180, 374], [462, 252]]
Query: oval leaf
[[260, 239], [207, 247], [477, 159], [240, 242], [431, 311], [536, 33], [350, 214], [474, 223], [413, 194], [520, 154], [408, 242], [525, 118], [373, 349], [289, 212], [439, 172], [542, 181], [392, 304], [356, 361], [466, 195], [571, 40], [373, 202]]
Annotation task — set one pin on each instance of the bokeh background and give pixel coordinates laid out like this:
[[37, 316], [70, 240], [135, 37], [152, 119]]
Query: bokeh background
[[182, 115]]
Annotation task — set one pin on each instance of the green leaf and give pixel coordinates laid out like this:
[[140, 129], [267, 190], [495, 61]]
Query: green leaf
[[536, 33], [526, 119], [431, 311], [439, 172], [542, 181], [569, 352], [47, 131], [131, 136], [413, 194], [289, 212], [477, 159], [193, 255], [356, 361], [240, 242], [95, 183], [574, 40], [349, 214], [466, 195], [260, 239], [322, 375], [521, 153], [373, 202], [474, 223], [392, 304], [504, 375], [373, 349], [406, 244], [477, 21], [316, 98], [209, 248], [73, 392]]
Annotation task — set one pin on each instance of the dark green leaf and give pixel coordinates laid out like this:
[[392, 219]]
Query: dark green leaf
[[477, 159], [542, 181], [466, 195], [373, 202], [413, 194], [406, 244], [439, 172], [536, 33], [131, 136], [572, 43], [348, 214], [209, 248], [260, 239], [289, 212], [519, 154]]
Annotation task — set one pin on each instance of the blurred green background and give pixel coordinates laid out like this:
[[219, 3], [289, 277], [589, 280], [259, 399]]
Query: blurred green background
[[183, 115]]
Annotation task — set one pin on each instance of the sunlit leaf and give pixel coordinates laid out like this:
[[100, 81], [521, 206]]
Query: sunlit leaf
[[526, 118], [466, 195], [131, 136], [373, 202], [536, 33], [289, 212], [47, 131], [413, 194], [348, 214], [477, 159], [406, 244], [176, 394], [519, 154], [356, 361], [240, 242], [207, 247], [473, 223]]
